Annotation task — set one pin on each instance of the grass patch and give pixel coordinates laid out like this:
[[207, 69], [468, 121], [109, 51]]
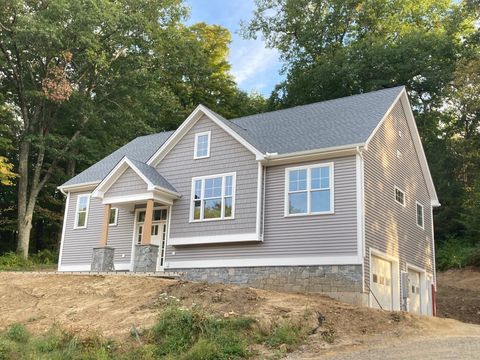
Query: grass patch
[[179, 334], [44, 259]]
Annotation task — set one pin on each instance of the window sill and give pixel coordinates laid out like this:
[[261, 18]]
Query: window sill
[[311, 214], [210, 220], [200, 157]]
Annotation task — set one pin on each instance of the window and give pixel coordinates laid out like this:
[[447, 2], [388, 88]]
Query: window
[[420, 215], [399, 196], [213, 197], [202, 145], [112, 221], [81, 215], [309, 190]]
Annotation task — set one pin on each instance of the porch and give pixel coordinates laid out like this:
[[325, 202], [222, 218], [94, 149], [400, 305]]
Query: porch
[[142, 191]]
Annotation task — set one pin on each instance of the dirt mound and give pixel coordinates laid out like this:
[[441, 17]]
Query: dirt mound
[[458, 295], [218, 298]]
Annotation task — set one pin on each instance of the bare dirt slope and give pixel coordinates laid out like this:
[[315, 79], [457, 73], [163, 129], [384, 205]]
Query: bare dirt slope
[[458, 295], [113, 304]]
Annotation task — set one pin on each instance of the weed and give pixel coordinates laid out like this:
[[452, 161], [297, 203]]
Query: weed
[[18, 333]]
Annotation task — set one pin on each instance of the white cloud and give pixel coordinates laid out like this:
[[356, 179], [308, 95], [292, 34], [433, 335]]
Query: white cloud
[[250, 60]]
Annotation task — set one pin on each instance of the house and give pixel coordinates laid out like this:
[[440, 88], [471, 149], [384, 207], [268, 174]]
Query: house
[[334, 197]]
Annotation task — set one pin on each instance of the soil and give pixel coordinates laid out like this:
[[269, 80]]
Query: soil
[[458, 295], [113, 305]]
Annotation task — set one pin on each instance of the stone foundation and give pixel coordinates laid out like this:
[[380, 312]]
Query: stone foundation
[[102, 259], [145, 258], [342, 282]]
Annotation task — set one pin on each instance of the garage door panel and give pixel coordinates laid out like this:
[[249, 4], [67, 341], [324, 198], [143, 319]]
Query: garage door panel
[[414, 294], [381, 283]]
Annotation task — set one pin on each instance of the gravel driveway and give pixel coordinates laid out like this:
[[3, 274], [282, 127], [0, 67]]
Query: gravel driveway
[[425, 348]]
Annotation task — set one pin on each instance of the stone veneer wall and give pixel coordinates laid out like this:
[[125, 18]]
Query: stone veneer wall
[[343, 282]]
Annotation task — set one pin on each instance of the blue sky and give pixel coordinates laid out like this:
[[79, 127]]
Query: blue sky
[[254, 67]]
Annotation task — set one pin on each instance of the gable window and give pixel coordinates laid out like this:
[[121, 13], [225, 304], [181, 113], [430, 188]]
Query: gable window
[[112, 221], [202, 145], [213, 197], [420, 221], [399, 196], [309, 190], [81, 213]]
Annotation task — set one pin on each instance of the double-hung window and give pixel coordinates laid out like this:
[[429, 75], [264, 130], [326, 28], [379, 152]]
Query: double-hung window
[[420, 220], [213, 197], [113, 219], [309, 190], [399, 196], [81, 213], [202, 145]]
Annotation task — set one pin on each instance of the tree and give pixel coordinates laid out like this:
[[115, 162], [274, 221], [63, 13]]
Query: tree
[[338, 48], [83, 78]]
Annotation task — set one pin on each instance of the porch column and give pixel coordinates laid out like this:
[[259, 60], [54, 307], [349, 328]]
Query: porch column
[[146, 254], [103, 255], [147, 224], [106, 220]]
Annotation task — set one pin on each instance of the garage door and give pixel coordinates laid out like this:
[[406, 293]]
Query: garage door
[[414, 291], [381, 283]]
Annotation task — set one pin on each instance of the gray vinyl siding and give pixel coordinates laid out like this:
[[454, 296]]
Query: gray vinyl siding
[[293, 237], [390, 227], [79, 243], [226, 155], [129, 183]]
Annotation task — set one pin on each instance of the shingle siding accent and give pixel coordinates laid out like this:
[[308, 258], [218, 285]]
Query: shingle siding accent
[[129, 183], [390, 227], [226, 155], [309, 236], [78, 244]]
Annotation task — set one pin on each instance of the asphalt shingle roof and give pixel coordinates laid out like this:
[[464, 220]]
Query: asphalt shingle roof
[[140, 149], [339, 122], [152, 175]]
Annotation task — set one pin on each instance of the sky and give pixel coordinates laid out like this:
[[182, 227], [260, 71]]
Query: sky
[[254, 67]]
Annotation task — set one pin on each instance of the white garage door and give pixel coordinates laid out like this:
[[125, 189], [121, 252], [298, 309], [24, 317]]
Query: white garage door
[[414, 291], [381, 283]]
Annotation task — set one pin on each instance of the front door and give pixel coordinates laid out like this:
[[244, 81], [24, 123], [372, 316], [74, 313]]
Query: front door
[[158, 232], [414, 291]]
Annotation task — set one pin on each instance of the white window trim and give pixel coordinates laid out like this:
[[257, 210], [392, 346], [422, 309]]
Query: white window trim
[[192, 195], [209, 134], [115, 223], [308, 190], [395, 188], [86, 211], [416, 215]]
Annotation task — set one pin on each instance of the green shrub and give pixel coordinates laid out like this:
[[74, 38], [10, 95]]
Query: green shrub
[[12, 262], [453, 253], [18, 333], [473, 258], [8, 349]]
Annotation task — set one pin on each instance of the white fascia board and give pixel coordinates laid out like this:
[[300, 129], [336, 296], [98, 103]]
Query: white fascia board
[[78, 187], [196, 114], [275, 261], [308, 155], [214, 239], [157, 196]]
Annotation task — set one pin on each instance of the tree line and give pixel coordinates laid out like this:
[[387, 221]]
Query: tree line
[[80, 78]]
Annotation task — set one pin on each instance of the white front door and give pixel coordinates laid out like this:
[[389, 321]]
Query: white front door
[[414, 294], [158, 232], [381, 283]]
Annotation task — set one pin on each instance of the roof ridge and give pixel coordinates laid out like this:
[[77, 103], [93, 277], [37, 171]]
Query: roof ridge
[[315, 103]]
